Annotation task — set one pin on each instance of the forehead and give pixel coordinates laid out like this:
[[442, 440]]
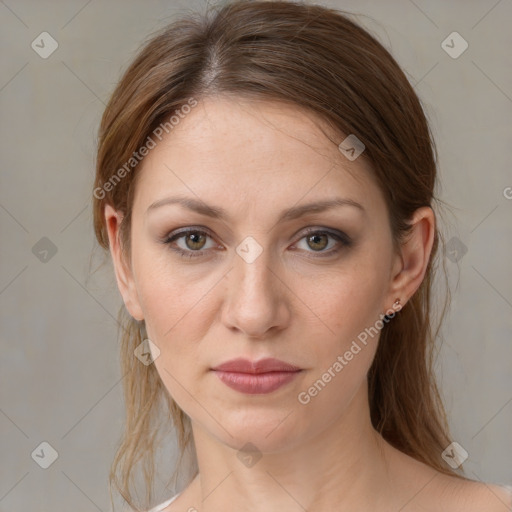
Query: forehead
[[230, 150]]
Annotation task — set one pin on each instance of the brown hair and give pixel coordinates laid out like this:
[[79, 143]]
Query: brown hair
[[319, 60]]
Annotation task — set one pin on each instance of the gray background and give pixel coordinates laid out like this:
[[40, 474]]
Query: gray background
[[60, 376]]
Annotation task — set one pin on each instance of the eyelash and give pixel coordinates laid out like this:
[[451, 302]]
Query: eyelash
[[343, 241]]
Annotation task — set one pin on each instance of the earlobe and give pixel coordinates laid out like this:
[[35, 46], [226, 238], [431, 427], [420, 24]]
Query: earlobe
[[123, 273], [414, 255]]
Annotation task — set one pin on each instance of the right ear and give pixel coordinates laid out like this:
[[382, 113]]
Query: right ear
[[124, 275]]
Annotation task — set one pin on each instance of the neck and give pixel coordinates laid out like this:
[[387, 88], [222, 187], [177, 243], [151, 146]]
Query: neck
[[342, 467]]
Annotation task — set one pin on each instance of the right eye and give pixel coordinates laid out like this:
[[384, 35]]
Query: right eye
[[193, 242]]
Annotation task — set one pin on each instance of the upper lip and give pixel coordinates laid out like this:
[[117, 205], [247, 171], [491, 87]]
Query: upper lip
[[266, 365]]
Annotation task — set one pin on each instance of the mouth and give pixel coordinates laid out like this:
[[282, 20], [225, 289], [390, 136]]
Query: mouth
[[258, 377], [266, 365], [256, 383]]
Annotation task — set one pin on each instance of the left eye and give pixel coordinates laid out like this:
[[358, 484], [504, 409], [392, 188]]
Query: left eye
[[318, 241]]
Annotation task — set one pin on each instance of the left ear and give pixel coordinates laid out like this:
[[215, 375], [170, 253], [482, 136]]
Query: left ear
[[411, 264]]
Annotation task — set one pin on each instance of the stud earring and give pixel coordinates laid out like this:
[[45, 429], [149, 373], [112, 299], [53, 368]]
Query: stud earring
[[391, 312]]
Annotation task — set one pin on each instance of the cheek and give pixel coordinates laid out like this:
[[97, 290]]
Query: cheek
[[173, 323], [174, 315], [178, 311], [349, 306], [170, 297], [348, 301]]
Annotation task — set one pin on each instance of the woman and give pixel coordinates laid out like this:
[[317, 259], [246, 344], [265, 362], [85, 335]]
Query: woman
[[265, 185]]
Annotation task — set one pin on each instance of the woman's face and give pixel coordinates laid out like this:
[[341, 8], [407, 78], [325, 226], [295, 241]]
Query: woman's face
[[250, 282]]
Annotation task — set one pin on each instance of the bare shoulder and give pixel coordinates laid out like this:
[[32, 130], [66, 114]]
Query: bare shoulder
[[490, 497], [419, 487], [473, 496]]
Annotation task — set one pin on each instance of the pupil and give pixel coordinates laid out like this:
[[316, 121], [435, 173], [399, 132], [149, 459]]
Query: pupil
[[194, 239], [314, 239]]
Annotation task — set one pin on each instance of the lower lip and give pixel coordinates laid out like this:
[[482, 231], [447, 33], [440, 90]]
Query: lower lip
[[253, 384]]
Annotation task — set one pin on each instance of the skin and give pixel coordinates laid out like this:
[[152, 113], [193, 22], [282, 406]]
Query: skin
[[256, 159]]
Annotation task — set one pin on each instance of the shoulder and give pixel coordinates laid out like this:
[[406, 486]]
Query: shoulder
[[427, 489], [494, 497], [475, 496]]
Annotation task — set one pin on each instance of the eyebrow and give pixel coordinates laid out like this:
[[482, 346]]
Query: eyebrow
[[292, 213]]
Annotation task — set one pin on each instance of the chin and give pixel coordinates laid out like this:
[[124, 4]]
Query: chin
[[268, 431]]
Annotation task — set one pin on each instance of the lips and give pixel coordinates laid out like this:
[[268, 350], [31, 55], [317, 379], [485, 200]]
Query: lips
[[256, 377], [266, 365]]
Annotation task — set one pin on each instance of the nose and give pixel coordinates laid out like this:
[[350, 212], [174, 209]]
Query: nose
[[257, 301]]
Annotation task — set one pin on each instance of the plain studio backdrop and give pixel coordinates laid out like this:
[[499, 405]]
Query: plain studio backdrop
[[60, 375]]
